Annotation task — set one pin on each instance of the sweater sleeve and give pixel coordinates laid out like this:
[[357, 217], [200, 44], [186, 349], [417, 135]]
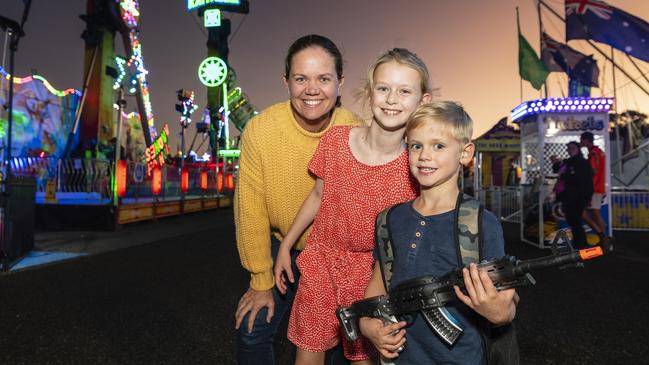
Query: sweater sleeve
[[251, 215]]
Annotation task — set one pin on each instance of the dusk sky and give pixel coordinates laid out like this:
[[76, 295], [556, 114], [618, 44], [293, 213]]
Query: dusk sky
[[469, 46]]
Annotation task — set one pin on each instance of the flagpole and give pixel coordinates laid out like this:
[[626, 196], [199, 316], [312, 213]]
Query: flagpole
[[642, 73], [518, 27], [538, 12], [600, 52], [620, 167]]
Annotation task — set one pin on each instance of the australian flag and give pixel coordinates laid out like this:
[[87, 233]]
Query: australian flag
[[596, 20], [559, 57]]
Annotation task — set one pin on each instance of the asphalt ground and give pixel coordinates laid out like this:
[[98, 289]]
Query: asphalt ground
[[171, 300]]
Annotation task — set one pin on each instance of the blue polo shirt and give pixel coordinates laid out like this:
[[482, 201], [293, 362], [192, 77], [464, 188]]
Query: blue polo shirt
[[425, 245]]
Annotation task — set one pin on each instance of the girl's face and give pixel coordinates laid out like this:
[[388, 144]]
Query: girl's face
[[313, 87], [435, 155], [396, 93]]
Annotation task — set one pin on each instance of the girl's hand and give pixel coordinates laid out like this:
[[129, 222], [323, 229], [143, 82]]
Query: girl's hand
[[283, 270], [498, 307], [389, 340]]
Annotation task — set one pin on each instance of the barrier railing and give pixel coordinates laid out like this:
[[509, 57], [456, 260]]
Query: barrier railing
[[504, 202], [629, 207], [89, 180]]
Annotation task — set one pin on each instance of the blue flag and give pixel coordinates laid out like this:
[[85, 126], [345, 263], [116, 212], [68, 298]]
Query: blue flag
[[559, 57], [596, 20]]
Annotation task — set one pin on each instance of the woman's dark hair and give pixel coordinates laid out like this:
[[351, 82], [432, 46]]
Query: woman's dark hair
[[313, 40]]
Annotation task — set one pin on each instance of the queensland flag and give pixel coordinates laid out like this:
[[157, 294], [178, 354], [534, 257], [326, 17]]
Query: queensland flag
[[559, 57], [596, 20]]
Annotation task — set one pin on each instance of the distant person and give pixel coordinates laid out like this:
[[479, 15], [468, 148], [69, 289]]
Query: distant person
[[513, 175], [360, 171], [574, 189], [422, 232], [273, 182], [592, 216]]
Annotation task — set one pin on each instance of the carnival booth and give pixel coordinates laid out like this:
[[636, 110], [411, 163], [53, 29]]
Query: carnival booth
[[546, 126], [498, 151]]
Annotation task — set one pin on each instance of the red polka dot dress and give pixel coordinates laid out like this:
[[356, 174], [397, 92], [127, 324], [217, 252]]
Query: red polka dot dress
[[336, 264]]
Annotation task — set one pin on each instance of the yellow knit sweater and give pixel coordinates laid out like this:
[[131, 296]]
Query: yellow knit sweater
[[272, 184]]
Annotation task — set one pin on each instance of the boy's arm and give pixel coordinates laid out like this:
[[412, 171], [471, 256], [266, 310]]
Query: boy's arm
[[388, 340]]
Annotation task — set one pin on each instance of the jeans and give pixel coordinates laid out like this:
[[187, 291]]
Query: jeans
[[256, 348]]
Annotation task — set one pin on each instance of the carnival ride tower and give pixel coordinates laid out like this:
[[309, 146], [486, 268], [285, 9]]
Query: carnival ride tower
[[104, 72]]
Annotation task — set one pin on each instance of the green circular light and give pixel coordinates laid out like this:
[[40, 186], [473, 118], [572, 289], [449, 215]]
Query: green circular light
[[212, 71]]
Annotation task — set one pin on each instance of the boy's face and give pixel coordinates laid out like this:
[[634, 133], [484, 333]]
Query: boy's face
[[435, 155]]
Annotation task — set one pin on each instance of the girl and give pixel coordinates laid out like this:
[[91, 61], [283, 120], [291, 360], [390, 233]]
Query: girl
[[360, 171]]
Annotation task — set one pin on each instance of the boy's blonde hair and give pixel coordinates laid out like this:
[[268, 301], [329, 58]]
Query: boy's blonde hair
[[399, 55], [448, 113]]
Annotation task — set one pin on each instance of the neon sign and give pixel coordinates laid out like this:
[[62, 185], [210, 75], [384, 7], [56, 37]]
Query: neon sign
[[195, 4], [154, 153], [212, 18], [212, 71]]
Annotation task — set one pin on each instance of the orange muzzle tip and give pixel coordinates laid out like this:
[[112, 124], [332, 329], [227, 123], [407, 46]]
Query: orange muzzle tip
[[589, 253]]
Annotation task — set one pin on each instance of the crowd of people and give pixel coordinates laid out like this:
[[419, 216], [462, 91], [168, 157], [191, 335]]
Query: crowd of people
[[312, 179], [580, 189]]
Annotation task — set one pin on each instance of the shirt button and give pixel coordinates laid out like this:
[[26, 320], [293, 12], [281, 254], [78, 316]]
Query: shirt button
[[423, 223], [418, 234], [413, 245]]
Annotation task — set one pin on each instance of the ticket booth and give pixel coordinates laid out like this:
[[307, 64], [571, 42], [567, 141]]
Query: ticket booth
[[546, 126]]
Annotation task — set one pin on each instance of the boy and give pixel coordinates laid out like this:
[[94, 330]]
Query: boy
[[439, 142]]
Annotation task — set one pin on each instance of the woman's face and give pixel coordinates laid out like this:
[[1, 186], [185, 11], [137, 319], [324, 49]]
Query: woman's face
[[313, 87]]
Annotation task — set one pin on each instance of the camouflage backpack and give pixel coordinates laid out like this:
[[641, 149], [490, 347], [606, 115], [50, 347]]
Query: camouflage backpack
[[500, 343], [468, 237]]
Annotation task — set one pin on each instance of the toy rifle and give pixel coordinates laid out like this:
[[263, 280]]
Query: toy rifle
[[428, 295]]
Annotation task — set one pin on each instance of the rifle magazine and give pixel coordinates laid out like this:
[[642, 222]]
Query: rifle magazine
[[442, 322]]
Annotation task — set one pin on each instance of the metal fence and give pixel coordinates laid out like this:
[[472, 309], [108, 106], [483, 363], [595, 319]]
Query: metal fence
[[76, 180], [629, 207], [504, 202]]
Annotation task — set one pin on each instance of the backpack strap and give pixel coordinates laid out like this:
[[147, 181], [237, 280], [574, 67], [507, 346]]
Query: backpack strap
[[383, 240], [468, 235]]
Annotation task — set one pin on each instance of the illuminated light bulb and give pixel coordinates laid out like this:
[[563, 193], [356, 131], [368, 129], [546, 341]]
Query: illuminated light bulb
[[569, 102], [560, 107]]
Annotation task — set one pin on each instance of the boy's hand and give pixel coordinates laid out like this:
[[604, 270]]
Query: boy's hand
[[498, 307], [283, 265], [388, 339]]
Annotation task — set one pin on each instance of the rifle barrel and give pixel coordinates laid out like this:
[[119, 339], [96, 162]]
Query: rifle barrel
[[556, 260]]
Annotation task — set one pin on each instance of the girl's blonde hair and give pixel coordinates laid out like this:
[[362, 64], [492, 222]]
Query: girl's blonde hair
[[402, 56], [449, 113]]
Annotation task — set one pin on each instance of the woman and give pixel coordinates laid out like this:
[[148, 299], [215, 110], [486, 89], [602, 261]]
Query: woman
[[274, 181]]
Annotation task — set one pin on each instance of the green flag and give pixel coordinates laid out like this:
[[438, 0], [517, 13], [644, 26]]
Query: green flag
[[530, 66]]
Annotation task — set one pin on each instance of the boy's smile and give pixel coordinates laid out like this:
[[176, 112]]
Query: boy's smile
[[435, 155]]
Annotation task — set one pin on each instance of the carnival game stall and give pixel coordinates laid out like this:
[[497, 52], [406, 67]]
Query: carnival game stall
[[497, 154], [546, 126]]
